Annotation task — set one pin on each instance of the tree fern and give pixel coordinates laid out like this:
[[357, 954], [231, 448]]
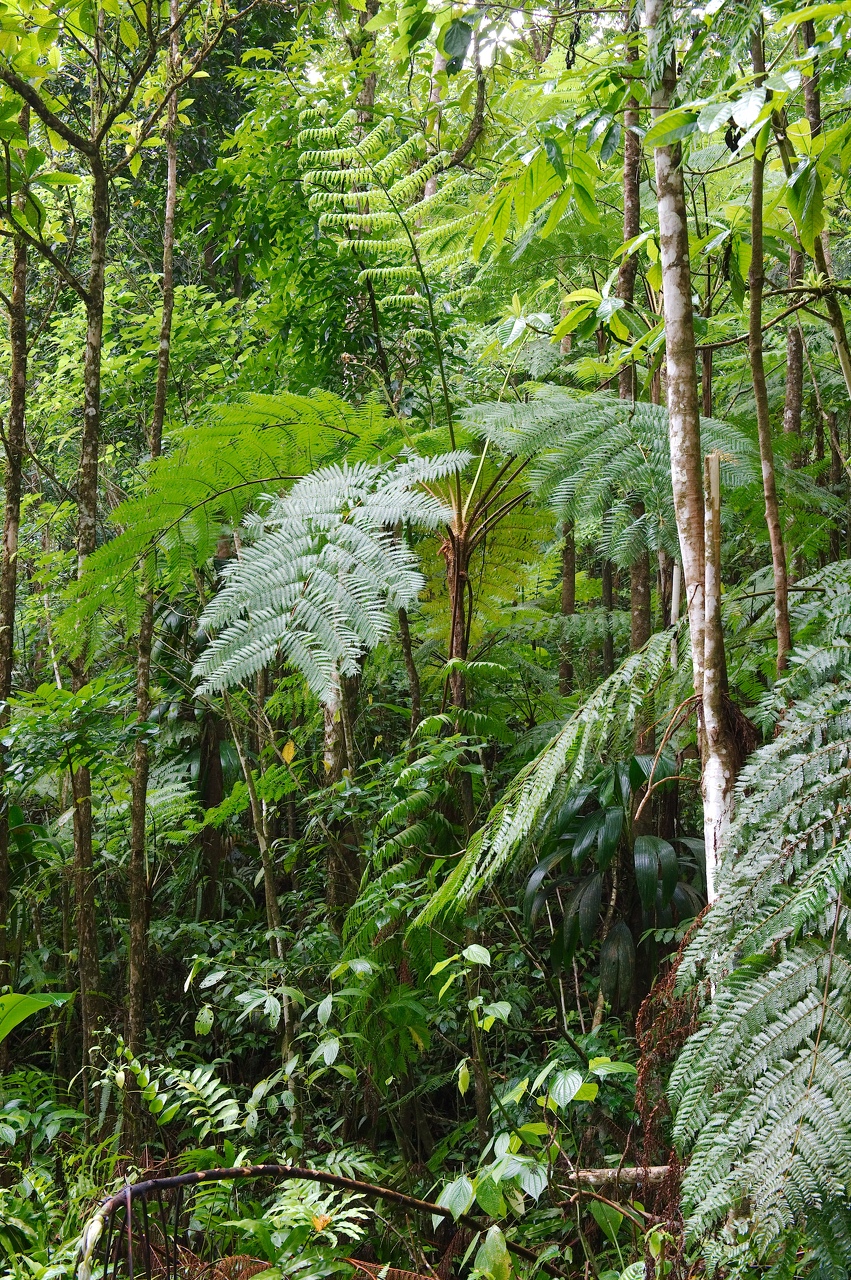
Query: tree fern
[[763, 1090], [604, 723], [594, 455], [217, 470], [325, 567]]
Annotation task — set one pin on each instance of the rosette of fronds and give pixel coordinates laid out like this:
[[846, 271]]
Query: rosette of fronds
[[596, 457], [324, 566], [762, 1092]]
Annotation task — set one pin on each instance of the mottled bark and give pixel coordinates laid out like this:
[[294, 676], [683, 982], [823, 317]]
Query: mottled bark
[[716, 746], [683, 408], [718, 753]]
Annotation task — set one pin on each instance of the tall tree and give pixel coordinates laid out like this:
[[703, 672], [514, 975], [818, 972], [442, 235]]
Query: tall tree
[[760, 386], [15, 450], [717, 748]]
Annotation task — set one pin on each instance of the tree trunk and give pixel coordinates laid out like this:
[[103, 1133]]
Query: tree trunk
[[411, 668], [344, 869], [568, 602], [91, 1003], [766, 448], [13, 477], [639, 574], [793, 399], [719, 765], [683, 411], [607, 601], [456, 552], [686, 468], [261, 833], [138, 879], [211, 780], [641, 621]]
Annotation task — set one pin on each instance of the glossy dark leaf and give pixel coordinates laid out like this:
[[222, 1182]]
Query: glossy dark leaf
[[610, 834], [617, 964], [535, 880], [589, 899], [586, 836], [646, 864], [555, 157]]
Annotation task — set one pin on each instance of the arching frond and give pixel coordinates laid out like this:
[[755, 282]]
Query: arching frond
[[325, 565]]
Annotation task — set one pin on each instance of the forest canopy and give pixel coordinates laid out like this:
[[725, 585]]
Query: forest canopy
[[425, 640]]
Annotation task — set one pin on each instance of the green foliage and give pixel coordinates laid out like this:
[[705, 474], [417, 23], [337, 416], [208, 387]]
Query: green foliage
[[324, 568], [761, 1090]]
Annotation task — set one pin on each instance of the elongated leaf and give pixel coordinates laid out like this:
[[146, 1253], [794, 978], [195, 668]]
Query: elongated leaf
[[14, 1008]]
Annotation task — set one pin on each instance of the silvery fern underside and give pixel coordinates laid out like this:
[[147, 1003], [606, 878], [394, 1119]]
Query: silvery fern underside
[[324, 566], [762, 1091]]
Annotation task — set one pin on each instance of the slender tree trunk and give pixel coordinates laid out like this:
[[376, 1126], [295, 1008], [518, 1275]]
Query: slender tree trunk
[[91, 1001], [212, 795], [639, 574], [793, 400], [138, 878], [568, 602], [13, 479], [683, 410], [456, 552], [641, 620], [261, 833], [411, 668], [686, 454], [766, 448], [608, 601], [343, 850], [719, 769]]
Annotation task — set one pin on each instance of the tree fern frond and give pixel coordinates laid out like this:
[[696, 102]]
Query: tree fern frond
[[322, 571], [606, 718]]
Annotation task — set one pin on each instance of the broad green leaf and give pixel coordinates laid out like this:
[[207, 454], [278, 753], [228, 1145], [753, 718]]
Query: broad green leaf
[[14, 1008], [747, 108], [476, 954], [204, 1020], [492, 1256], [565, 1086], [671, 127], [608, 1219], [713, 116], [457, 1196], [489, 1197]]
